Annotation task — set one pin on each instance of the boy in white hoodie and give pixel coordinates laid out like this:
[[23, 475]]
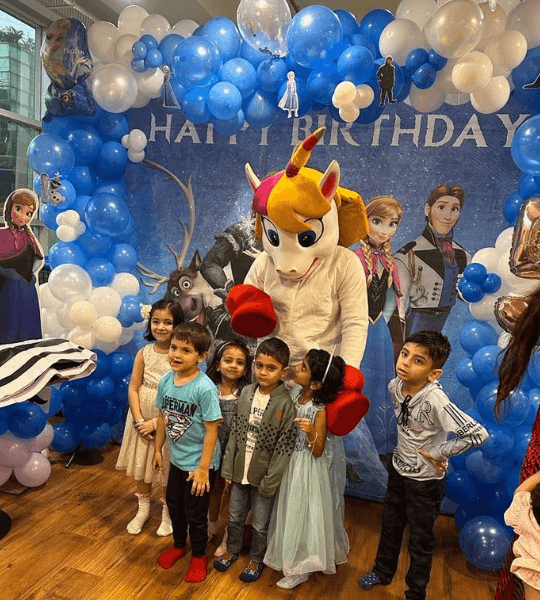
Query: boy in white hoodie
[[416, 479]]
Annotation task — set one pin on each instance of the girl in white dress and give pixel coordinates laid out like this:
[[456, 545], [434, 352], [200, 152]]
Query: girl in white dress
[[136, 453], [306, 532]]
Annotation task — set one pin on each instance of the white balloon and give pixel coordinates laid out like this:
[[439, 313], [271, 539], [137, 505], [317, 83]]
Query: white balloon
[[123, 54], [125, 284], [66, 234], [81, 228], [185, 28], [83, 313], [494, 23], [130, 19], [457, 99], [125, 141], [82, 337], [491, 97], [508, 5], [485, 309], [49, 323], [136, 157], [506, 51], [46, 297], [102, 37], [417, 11], [108, 330], [70, 218], [504, 239], [70, 283], [349, 112], [344, 94], [155, 25], [489, 257], [426, 100], [106, 300], [107, 347], [140, 101], [115, 88], [127, 336], [364, 95], [398, 38], [137, 140], [42, 440], [504, 340], [503, 268], [472, 72], [151, 82], [62, 314], [525, 17], [455, 29]]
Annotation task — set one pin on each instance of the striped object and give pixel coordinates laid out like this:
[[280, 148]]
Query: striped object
[[27, 367]]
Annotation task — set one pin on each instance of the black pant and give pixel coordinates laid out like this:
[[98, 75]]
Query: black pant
[[416, 504], [387, 92], [187, 509]]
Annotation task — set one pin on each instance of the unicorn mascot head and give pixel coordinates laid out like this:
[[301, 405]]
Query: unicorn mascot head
[[306, 287]]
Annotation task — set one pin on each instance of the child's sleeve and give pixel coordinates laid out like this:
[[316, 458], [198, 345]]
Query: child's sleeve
[[282, 451], [227, 464], [209, 403], [516, 514], [469, 433], [159, 396]]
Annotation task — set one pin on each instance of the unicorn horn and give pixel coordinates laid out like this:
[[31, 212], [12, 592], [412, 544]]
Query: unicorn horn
[[301, 155]]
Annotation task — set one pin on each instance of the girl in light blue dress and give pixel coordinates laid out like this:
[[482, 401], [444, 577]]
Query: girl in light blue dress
[[306, 532]]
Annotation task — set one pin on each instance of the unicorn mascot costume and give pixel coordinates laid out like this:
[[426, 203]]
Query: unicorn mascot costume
[[306, 287]]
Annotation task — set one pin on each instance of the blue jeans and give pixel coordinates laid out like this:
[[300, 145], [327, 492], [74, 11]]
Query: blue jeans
[[244, 497]]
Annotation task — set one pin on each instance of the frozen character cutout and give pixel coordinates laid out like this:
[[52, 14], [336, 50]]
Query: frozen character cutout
[[386, 75], [21, 257], [66, 59], [306, 287], [429, 267], [289, 100]]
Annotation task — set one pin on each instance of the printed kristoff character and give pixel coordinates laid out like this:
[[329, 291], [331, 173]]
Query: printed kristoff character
[[387, 78], [429, 266]]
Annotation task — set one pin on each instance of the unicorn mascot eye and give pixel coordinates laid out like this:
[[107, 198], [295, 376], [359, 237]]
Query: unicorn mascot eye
[[306, 287]]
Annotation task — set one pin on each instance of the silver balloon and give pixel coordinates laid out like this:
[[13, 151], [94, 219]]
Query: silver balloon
[[115, 88], [263, 25], [525, 251]]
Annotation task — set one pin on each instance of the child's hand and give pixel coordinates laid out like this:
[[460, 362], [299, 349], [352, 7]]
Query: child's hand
[[305, 425], [157, 461], [146, 429], [201, 481], [440, 465]]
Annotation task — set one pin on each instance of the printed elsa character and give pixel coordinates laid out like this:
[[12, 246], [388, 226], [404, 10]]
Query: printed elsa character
[[289, 100], [20, 258], [377, 433]]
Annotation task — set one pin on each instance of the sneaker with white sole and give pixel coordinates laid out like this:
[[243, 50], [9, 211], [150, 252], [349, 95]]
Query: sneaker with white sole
[[291, 581]]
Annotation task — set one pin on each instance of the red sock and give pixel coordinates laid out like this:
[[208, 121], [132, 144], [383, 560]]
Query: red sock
[[197, 569], [169, 557]]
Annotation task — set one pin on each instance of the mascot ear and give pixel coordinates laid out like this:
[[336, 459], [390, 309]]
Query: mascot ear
[[254, 181], [330, 181]]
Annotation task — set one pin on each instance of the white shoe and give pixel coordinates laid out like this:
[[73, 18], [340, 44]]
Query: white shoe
[[165, 527], [143, 514], [291, 581]]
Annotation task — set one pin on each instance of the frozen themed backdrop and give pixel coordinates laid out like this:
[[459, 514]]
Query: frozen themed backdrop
[[153, 198]]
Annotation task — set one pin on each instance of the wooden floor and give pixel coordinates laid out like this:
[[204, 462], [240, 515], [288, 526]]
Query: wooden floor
[[69, 542]]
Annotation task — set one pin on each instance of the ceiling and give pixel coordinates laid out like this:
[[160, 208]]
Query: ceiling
[[202, 10]]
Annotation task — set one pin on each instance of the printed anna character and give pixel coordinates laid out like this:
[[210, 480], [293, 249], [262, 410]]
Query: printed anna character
[[21, 257], [429, 267], [306, 287]]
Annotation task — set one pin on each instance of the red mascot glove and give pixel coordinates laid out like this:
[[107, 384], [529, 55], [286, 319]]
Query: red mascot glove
[[251, 310], [346, 411]]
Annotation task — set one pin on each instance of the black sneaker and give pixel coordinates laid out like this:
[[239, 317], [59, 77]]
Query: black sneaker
[[249, 574], [223, 563], [366, 582]]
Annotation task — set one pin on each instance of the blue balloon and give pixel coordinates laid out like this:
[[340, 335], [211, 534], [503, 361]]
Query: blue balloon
[[167, 46], [485, 401], [130, 311], [195, 105], [492, 283], [371, 113], [48, 214], [526, 146], [424, 77], [511, 207], [101, 271], [224, 34], [139, 66], [72, 395], [484, 542], [522, 439], [139, 50], [154, 58], [357, 39], [529, 186], [321, 85], [60, 126], [470, 291], [356, 64], [241, 73], [124, 258], [475, 272], [83, 179], [107, 214], [416, 58], [512, 481], [534, 397], [299, 71], [149, 41], [477, 334], [499, 443], [86, 144], [49, 153], [271, 74], [230, 126], [95, 243], [253, 56], [312, 33], [67, 190], [121, 389], [121, 364], [66, 253], [533, 370], [348, 22], [460, 487], [112, 160], [486, 362], [116, 188], [55, 403], [467, 511], [525, 74], [26, 420], [113, 126], [103, 364], [196, 62], [66, 437], [465, 373], [483, 469], [178, 89], [80, 204], [260, 110], [100, 389], [224, 100], [437, 61], [515, 410], [373, 23], [95, 436]]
